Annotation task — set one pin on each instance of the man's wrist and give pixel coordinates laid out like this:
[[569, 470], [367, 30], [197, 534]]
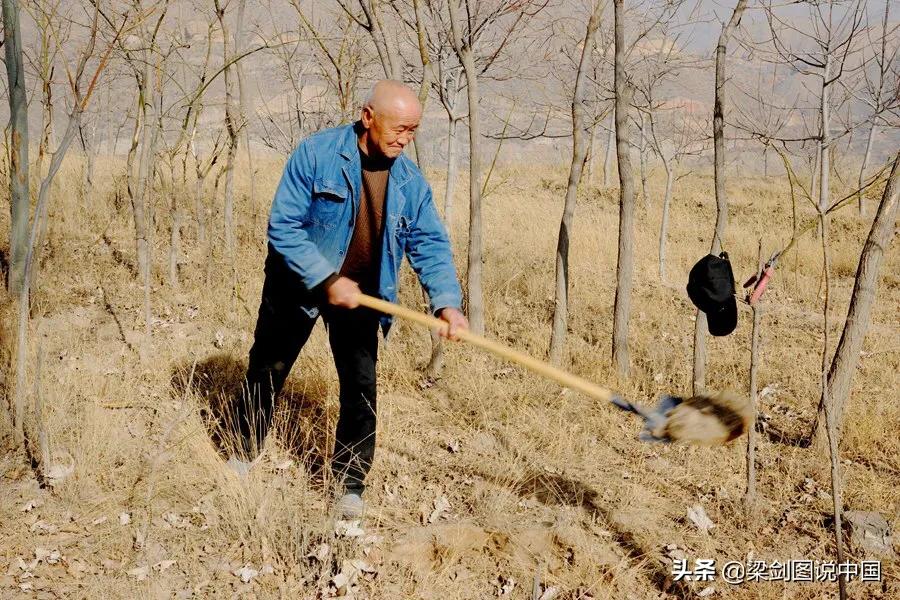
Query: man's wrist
[[322, 289]]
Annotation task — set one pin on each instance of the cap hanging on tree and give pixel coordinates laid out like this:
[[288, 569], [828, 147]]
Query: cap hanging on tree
[[711, 289]]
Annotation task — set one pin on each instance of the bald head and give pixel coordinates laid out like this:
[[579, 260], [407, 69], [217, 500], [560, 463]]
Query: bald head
[[390, 117], [390, 96]]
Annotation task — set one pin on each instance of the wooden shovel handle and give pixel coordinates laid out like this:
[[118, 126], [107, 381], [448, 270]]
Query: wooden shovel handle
[[540, 367]]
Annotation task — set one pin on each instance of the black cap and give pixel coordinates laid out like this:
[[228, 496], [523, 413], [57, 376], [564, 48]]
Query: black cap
[[711, 289]]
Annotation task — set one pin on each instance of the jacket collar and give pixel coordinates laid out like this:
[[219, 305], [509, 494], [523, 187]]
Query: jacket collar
[[400, 172]]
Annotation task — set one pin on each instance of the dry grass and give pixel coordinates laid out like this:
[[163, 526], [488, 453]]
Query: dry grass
[[542, 480]]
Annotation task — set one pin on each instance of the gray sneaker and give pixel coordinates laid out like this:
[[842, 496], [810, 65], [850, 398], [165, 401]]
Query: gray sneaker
[[350, 506]]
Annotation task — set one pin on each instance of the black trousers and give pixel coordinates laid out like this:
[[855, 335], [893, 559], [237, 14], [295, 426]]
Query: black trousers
[[282, 329]]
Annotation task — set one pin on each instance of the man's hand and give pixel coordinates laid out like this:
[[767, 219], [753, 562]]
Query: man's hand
[[458, 322], [343, 292]]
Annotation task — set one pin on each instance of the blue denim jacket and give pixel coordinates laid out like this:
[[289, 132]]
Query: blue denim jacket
[[314, 213]]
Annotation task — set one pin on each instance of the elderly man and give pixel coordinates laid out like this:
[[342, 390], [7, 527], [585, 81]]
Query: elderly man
[[349, 206]]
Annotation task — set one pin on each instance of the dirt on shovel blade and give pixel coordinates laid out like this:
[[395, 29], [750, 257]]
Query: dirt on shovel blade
[[709, 420]]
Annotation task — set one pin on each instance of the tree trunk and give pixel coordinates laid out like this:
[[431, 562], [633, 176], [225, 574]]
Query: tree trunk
[[46, 74], [664, 222], [427, 74], [591, 158], [643, 163], [474, 293], [700, 327], [243, 108], [231, 127], [825, 402], [750, 492], [625, 258], [28, 266], [20, 199], [608, 156], [579, 132], [862, 169], [825, 139], [138, 207], [451, 172], [862, 299]]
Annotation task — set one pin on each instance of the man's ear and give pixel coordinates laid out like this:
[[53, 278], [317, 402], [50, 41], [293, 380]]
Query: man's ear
[[367, 116]]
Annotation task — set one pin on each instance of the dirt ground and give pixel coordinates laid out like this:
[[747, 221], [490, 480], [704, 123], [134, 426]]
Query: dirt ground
[[488, 482]]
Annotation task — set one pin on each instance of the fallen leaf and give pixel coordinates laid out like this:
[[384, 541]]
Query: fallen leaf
[[362, 566], [506, 585], [321, 552], [163, 565], [138, 540], [708, 591], [139, 573], [549, 593], [348, 528], [57, 473], [44, 526], [124, 518], [698, 517], [441, 506], [246, 573]]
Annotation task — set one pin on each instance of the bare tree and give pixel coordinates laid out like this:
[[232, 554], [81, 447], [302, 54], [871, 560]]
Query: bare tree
[[579, 133], [232, 126], [877, 87], [624, 94], [339, 55], [82, 89], [862, 299], [701, 328], [680, 144], [20, 202], [508, 16], [370, 19]]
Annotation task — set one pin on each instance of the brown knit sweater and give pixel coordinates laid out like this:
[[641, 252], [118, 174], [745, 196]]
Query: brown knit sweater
[[363, 260]]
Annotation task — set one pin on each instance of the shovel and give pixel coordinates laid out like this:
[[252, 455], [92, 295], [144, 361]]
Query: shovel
[[705, 419]]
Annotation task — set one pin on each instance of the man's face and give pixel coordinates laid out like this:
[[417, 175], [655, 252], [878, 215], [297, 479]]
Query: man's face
[[389, 131]]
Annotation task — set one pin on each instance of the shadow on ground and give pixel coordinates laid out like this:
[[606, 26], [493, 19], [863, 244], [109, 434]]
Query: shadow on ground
[[302, 423]]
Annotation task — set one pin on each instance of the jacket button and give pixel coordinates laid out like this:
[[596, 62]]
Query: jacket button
[[340, 253]]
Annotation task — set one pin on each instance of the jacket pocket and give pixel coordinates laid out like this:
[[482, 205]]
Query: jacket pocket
[[328, 202]]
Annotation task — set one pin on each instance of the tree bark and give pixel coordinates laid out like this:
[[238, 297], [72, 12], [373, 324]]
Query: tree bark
[[700, 327], [243, 108], [452, 168], [591, 157], [643, 158], [579, 132], [625, 259], [862, 299], [862, 169], [40, 215], [664, 222], [608, 156], [474, 292], [231, 127], [20, 198], [427, 74], [750, 492]]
